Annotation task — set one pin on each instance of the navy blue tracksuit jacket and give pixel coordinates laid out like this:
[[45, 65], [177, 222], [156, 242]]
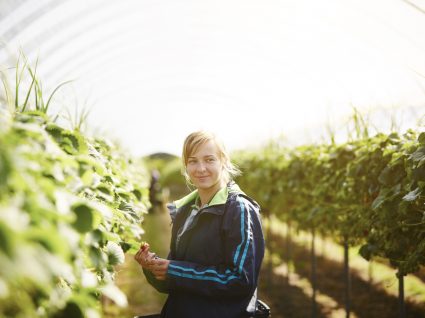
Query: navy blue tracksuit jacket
[[214, 266]]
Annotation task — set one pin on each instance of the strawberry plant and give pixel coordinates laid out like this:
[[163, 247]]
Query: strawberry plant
[[70, 207]]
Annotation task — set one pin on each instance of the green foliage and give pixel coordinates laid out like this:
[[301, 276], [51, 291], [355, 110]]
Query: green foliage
[[68, 203], [171, 173], [170, 169], [369, 191]]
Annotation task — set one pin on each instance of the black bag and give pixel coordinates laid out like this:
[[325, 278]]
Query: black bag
[[262, 310]]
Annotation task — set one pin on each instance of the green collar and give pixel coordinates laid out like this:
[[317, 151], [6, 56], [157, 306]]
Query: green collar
[[219, 198]]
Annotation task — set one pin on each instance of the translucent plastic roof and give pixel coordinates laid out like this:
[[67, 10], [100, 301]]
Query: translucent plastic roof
[[153, 71]]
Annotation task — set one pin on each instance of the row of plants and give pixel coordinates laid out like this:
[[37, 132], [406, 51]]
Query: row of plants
[[70, 207], [369, 192]]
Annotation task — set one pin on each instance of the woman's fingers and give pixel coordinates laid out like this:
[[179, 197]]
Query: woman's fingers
[[144, 257], [137, 257], [159, 267], [149, 260], [144, 246]]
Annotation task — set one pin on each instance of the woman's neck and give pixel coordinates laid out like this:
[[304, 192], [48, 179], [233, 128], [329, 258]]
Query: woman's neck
[[205, 195]]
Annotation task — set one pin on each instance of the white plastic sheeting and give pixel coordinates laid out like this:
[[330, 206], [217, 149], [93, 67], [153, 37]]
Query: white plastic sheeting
[[152, 71]]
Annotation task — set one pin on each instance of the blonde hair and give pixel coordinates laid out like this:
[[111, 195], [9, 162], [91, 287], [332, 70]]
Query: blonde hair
[[199, 138]]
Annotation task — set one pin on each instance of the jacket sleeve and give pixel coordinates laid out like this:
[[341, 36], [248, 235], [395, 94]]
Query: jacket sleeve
[[243, 254], [159, 285]]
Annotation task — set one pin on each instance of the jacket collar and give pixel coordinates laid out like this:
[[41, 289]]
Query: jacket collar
[[219, 199]]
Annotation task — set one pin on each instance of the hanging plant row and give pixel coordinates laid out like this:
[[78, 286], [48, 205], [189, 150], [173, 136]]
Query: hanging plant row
[[368, 192], [70, 207]]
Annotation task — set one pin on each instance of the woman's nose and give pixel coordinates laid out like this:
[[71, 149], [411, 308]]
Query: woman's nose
[[201, 166]]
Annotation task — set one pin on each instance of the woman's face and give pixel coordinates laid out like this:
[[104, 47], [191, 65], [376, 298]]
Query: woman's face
[[205, 168]]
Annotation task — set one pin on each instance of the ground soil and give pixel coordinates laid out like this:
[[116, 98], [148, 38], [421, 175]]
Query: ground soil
[[366, 300]]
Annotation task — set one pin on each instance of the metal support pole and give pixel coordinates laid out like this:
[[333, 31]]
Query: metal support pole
[[288, 251], [347, 279], [401, 304], [270, 247], [313, 273], [370, 273]]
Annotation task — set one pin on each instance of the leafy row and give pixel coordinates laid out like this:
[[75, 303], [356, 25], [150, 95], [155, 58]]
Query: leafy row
[[369, 191], [70, 207]]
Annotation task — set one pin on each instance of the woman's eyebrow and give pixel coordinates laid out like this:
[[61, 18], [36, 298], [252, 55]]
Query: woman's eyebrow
[[206, 156]]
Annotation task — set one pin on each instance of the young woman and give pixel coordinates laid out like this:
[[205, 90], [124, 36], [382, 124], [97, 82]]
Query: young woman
[[217, 243]]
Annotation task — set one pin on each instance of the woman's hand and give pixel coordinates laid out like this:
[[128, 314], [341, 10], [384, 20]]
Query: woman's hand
[[159, 267], [143, 256], [148, 260]]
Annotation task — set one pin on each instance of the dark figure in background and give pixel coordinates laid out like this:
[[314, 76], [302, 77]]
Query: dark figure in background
[[155, 191]]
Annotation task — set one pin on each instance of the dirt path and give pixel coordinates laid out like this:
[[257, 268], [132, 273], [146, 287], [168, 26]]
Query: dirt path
[[366, 300]]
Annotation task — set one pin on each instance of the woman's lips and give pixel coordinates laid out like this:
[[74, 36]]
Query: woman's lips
[[202, 178]]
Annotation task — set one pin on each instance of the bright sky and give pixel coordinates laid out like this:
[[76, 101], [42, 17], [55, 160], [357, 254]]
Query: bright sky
[[154, 71]]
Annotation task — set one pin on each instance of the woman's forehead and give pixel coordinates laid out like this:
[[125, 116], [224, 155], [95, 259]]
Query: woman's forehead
[[208, 148]]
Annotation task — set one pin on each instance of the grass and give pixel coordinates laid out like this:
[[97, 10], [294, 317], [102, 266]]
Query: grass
[[27, 85]]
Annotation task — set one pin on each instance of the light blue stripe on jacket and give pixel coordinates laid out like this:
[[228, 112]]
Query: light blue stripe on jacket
[[229, 275]]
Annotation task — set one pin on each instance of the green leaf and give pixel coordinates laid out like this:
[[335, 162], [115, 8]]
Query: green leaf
[[87, 162], [105, 188], [5, 167], [132, 246], [7, 240], [138, 194], [421, 138], [380, 199], [73, 310], [87, 218], [87, 178], [98, 258], [419, 174], [391, 174], [71, 142], [367, 251], [418, 155], [66, 146], [55, 131], [76, 140], [115, 294], [124, 206], [95, 238], [49, 239], [115, 253], [126, 246]]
